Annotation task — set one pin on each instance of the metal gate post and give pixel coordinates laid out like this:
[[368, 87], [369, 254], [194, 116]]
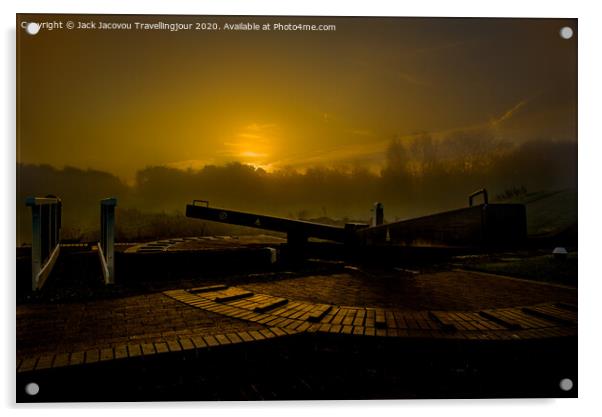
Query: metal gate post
[[106, 246]]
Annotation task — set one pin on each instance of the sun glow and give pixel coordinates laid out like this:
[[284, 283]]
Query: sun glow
[[253, 145], [252, 155]]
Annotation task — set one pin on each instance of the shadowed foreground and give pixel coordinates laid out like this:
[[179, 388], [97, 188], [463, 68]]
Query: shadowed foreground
[[321, 330]]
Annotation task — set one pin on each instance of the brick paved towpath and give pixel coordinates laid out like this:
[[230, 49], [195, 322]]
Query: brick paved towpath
[[448, 290], [72, 327], [55, 334]]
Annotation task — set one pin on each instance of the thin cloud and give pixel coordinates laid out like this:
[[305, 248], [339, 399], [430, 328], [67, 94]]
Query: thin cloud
[[249, 136], [357, 152], [260, 126], [509, 113]]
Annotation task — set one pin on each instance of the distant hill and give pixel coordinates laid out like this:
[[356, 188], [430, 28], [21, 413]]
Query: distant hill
[[549, 213]]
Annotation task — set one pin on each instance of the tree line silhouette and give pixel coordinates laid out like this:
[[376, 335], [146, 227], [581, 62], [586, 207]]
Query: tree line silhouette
[[419, 176]]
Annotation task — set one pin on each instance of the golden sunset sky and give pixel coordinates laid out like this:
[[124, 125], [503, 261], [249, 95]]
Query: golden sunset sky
[[119, 101]]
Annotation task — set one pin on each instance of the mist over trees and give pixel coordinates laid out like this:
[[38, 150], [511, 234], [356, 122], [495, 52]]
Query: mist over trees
[[419, 176]]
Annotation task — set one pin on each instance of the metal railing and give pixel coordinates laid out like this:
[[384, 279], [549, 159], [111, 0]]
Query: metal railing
[[106, 246], [46, 237]]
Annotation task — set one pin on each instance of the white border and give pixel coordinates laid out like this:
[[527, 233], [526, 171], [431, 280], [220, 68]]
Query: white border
[[590, 154]]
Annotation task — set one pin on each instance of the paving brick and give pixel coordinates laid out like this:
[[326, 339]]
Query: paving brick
[[291, 308], [313, 328], [173, 346], [198, 342], [186, 343], [276, 321], [229, 311], [331, 314], [390, 320], [222, 339], [318, 313], [400, 320], [239, 303], [121, 352], [76, 358], [525, 320], [106, 354], [147, 349], [246, 337], [286, 322], [134, 350], [335, 328], [45, 362], [445, 322], [553, 313], [278, 331], [338, 318], [460, 322], [369, 321], [61, 359], [256, 335], [92, 356], [324, 327], [303, 326], [267, 333], [254, 317], [211, 341], [303, 312], [234, 338], [28, 364], [247, 315], [220, 310], [288, 330], [270, 305], [550, 315], [359, 318], [202, 303], [266, 319], [469, 336], [347, 329], [239, 314], [349, 317], [380, 319], [234, 296], [358, 330], [295, 324], [496, 317]]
